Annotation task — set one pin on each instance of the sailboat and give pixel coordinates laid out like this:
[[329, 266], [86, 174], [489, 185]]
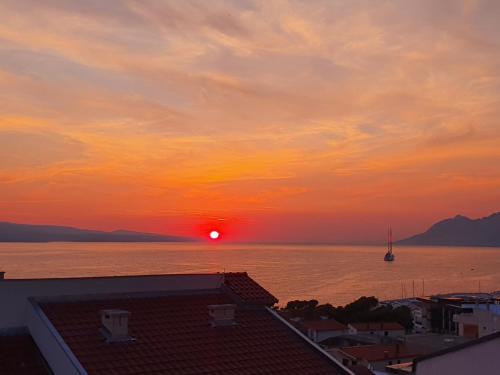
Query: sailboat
[[389, 256]]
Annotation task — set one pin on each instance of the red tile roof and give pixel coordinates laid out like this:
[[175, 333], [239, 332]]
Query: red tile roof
[[19, 355], [378, 326], [173, 336], [324, 325], [378, 352], [247, 289]]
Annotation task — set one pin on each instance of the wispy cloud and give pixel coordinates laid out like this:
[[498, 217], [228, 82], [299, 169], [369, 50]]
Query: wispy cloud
[[249, 107]]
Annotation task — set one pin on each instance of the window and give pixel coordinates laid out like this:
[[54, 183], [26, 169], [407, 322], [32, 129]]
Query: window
[[386, 333], [390, 363]]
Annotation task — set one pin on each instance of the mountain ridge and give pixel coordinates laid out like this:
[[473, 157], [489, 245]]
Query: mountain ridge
[[460, 231], [15, 232]]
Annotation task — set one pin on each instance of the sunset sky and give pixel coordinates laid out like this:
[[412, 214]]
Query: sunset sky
[[320, 121]]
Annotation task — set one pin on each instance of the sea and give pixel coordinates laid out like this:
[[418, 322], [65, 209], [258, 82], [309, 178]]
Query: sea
[[329, 274]]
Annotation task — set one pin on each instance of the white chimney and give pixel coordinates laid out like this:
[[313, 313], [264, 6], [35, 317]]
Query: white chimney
[[114, 325], [222, 315]]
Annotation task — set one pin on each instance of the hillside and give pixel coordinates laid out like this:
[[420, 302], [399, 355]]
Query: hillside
[[12, 232], [460, 231]]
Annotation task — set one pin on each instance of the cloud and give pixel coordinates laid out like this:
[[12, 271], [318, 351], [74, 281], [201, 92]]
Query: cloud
[[24, 149], [250, 105]]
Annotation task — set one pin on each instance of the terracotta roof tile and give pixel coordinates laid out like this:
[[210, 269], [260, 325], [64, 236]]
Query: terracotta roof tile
[[247, 289], [19, 355], [173, 335]]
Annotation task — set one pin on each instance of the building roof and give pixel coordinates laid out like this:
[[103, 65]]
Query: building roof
[[324, 325], [378, 352], [172, 334], [489, 307], [378, 326], [247, 289], [481, 340], [400, 368], [19, 355], [360, 370]]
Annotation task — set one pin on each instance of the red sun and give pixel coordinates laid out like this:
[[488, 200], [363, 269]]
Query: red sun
[[214, 235]]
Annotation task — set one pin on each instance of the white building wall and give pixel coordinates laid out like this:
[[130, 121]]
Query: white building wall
[[482, 358], [488, 322]]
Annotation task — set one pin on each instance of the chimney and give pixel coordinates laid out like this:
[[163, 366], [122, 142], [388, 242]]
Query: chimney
[[114, 325], [2, 275], [222, 315]]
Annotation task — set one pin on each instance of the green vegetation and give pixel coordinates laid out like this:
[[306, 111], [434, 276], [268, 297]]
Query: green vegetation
[[364, 309]]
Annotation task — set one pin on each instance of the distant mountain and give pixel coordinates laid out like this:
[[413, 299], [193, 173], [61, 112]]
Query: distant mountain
[[460, 231], [11, 232]]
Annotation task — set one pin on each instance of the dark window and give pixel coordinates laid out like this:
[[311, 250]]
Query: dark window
[[390, 363], [386, 333]]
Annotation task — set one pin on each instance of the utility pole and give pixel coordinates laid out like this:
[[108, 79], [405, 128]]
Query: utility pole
[[413, 286]]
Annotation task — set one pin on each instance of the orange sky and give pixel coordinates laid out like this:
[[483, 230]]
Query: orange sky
[[291, 121]]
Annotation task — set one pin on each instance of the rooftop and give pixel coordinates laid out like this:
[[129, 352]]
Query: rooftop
[[19, 355], [360, 370], [247, 289], [324, 325], [169, 328], [378, 326], [456, 348], [374, 353], [493, 308]]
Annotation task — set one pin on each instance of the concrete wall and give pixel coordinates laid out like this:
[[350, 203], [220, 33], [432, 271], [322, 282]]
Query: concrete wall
[[483, 358], [14, 293]]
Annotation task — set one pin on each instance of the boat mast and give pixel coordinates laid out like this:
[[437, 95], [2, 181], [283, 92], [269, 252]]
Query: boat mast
[[389, 240]]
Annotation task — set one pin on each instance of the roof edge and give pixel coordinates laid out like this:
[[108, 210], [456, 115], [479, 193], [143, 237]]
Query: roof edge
[[123, 295], [57, 337], [309, 342], [113, 277]]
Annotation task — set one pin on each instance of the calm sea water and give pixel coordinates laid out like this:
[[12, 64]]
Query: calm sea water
[[335, 274]]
